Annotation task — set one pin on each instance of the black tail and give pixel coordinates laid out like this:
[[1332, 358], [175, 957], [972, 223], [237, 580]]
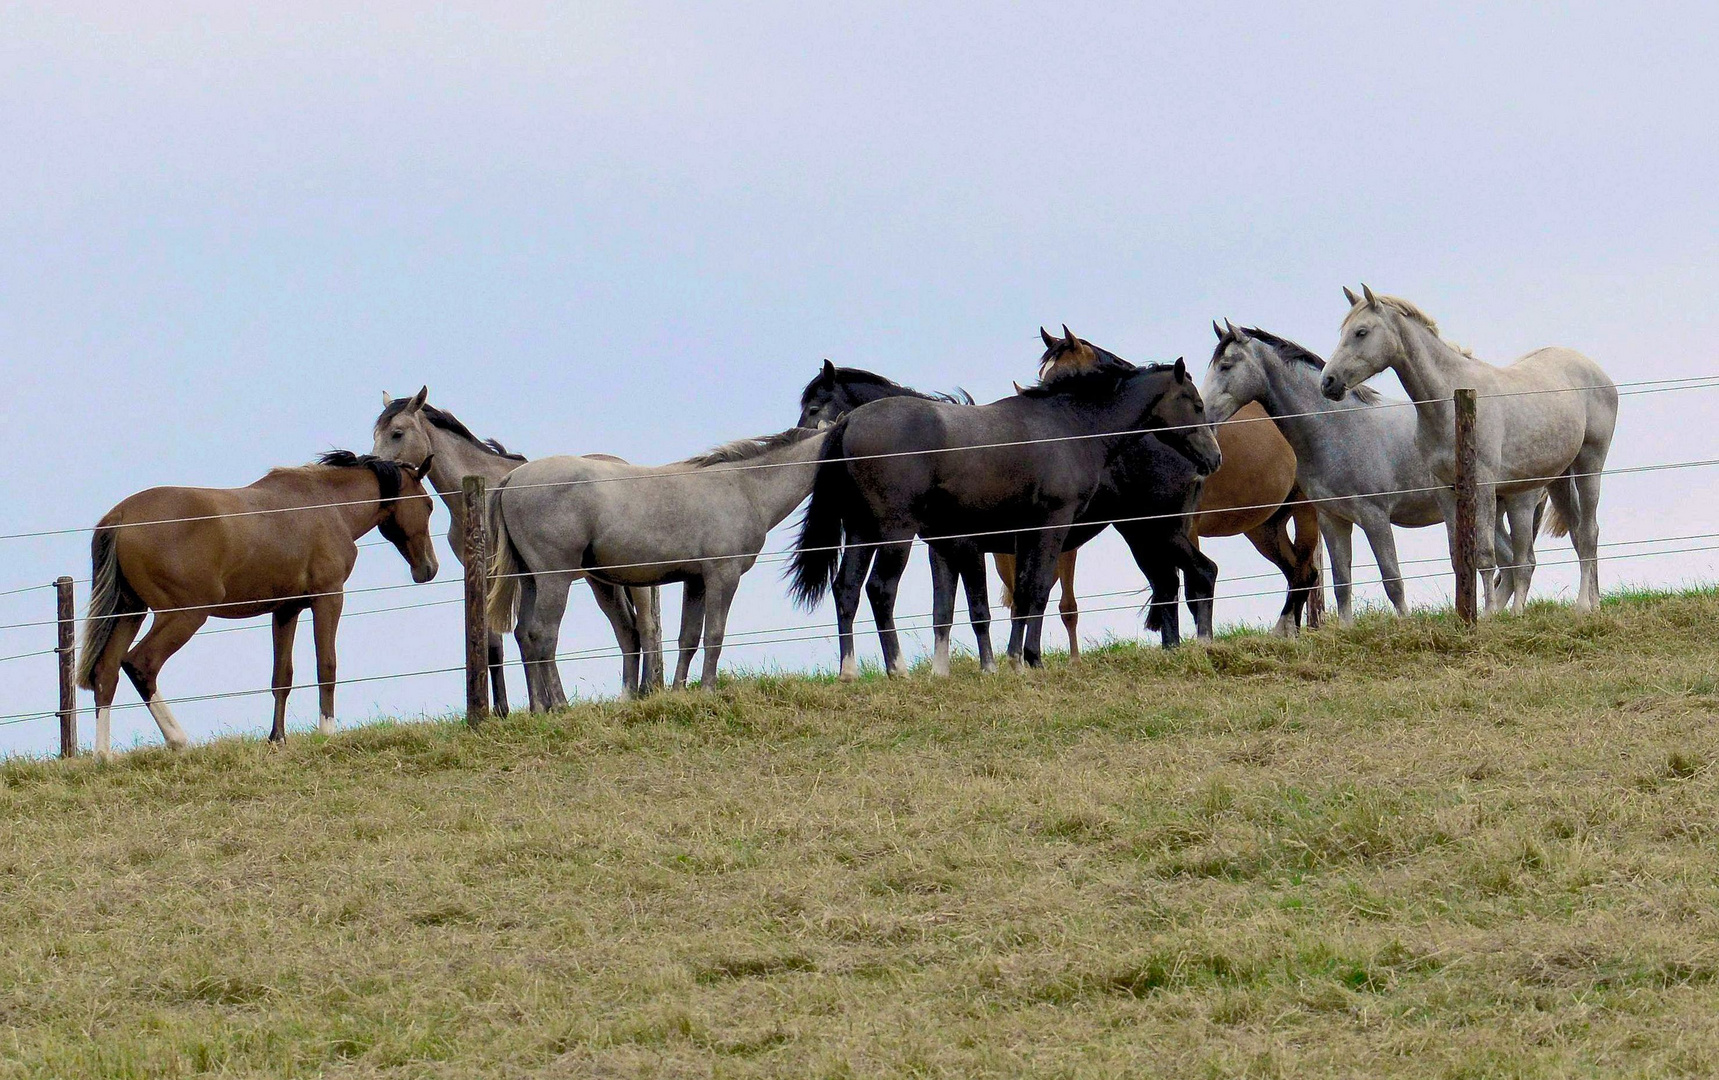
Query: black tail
[[818, 551], [110, 597]]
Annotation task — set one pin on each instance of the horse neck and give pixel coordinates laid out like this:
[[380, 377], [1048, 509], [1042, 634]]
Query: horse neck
[[775, 490], [1429, 369], [1293, 393], [355, 495], [456, 458]]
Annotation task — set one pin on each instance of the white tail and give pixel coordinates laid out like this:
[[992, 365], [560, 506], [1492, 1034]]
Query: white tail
[[501, 606]]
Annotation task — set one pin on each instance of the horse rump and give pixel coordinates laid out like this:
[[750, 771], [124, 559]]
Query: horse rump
[[817, 553], [111, 598]]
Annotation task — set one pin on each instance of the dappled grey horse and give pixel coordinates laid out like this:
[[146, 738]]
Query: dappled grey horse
[[413, 431], [1356, 459], [1543, 423], [701, 521]]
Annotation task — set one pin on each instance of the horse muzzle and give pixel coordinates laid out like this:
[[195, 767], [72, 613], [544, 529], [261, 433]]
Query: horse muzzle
[[1332, 387], [425, 571]]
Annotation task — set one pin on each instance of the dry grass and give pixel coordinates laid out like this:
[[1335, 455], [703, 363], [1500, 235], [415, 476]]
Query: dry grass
[[1398, 850]]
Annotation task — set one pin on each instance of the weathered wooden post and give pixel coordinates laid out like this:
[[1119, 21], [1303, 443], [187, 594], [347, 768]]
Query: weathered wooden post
[[67, 656], [475, 555], [1462, 554]]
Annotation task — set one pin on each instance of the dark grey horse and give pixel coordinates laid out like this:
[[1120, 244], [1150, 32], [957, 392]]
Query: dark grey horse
[[1019, 472]]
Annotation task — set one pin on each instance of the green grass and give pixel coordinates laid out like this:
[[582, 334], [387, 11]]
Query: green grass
[[1401, 849]]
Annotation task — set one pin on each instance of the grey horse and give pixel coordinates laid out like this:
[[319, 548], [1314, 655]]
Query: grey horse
[[1543, 424], [701, 521], [413, 431], [1357, 460]]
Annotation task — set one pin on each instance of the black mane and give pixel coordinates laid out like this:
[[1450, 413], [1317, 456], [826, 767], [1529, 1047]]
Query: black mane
[[388, 473], [1287, 349], [448, 422], [885, 387]]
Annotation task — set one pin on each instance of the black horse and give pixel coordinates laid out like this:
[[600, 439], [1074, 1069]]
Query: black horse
[[1018, 474]]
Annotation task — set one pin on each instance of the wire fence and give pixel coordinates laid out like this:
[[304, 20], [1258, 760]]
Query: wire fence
[[806, 632]]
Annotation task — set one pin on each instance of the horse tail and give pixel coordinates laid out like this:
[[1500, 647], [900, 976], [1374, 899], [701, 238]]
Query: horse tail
[[1556, 524], [110, 598], [501, 605], [817, 553]]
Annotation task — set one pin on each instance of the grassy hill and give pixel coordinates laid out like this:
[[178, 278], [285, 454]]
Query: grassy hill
[[1395, 850]]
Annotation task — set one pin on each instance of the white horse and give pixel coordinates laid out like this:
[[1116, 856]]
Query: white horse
[[1544, 422]]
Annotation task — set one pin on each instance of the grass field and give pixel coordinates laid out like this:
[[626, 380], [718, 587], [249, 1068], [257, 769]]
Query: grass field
[[1398, 850]]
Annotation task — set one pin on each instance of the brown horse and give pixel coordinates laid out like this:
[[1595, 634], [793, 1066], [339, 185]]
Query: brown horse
[[285, 543], [1253, 493]]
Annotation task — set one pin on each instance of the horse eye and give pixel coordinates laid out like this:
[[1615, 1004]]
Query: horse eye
[[1361, 332]]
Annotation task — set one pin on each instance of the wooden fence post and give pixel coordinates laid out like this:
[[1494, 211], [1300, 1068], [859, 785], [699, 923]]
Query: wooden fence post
[[475, 555], [1462, 554], [67, 656]]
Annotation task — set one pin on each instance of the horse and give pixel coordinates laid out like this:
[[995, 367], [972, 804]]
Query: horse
[[1253, 493], [1017, 472], [283, 544], [1543, 423], [411, 430], [701, 521]]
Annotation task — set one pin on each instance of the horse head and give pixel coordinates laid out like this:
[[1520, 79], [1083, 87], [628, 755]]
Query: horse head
[[402, 430], [405, 521], [1367, 343], [1177, 416]]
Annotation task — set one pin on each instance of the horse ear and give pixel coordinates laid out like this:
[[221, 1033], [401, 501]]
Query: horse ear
[[1068, 337], [1050, 342], [1218, 330], [387, 399], [418, 399], [423, 469], [1351, 297], [1019, 389], [1181, 370], [1368, 293], [828, 375]]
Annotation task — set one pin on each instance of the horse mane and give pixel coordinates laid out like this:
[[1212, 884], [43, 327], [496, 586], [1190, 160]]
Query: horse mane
[[861, 377], [1096, 378], [745, 449], [1293, 353], [448, 422], [1409, 310], [389, 476]]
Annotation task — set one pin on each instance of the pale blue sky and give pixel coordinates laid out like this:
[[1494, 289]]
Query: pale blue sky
[[224, 233]]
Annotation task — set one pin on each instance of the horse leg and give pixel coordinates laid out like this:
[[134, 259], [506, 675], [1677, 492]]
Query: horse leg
[[1035, 569], [539, 633], [1069, 606], [1384, 544], [285, 629], [691, 626], [850, 582], [648, 616], [942, 610], [1339, 543], [1486, 544], [1583, 520], [719, 594], [887, 567], [324, 621], [167, 635], [612, 599], [1201, 575], [972, 571], [497, 679], [524, 617], [1271, 539], [1307, 557], [1161, 553], [106, 679], [1520, 510], [1006, 571]]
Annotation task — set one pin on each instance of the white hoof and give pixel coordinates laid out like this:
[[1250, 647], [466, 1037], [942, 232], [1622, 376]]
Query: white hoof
[[898, 669], [325, 724], [850, 670], [1285, 627]]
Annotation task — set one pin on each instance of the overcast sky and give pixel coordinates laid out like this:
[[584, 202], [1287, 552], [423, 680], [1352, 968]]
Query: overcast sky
[[639, 229]]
